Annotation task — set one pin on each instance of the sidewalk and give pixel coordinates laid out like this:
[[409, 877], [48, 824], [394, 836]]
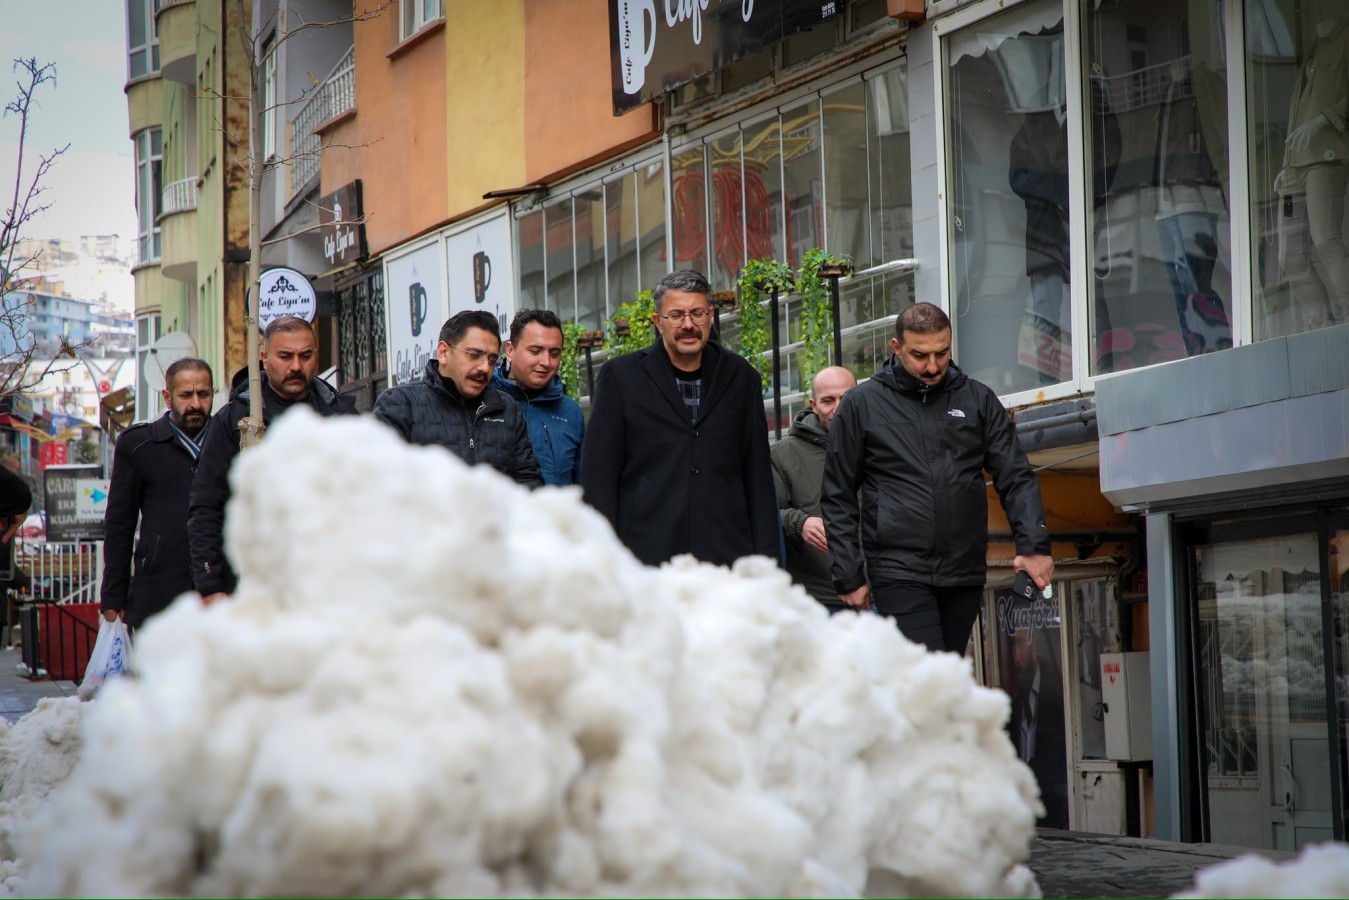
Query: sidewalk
[[18, 695], [1080, 864]]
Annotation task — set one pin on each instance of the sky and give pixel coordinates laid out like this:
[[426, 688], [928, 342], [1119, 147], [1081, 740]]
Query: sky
[[91, 187]]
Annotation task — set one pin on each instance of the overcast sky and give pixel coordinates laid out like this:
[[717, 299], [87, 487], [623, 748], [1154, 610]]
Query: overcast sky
[[91, 188]]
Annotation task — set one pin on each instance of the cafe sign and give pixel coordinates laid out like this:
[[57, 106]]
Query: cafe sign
[[342, 227], [658, 45]]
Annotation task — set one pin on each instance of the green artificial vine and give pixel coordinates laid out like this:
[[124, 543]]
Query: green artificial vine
[[635, 317], [817, 313], [571, 376], [756, 282]]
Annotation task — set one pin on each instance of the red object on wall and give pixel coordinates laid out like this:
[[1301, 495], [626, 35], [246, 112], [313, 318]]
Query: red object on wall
[[66, 638]]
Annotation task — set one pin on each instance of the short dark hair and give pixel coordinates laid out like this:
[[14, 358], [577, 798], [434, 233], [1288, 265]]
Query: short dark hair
[[921, 318], [545, 317], [287, 324], [684, 280], [186, 364], [457, 325]]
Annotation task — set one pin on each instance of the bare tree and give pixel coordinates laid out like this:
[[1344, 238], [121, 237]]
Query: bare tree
[[251, 427], [21, 367]]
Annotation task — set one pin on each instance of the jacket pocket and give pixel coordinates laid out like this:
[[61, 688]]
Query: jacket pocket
[[147, 559]]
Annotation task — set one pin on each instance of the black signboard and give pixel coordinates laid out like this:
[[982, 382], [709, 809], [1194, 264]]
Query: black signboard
[[76, 500], [657, 45], [340, 225]]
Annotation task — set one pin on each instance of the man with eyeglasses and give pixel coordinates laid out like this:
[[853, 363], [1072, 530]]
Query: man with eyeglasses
[[456, 406], [675, 453]]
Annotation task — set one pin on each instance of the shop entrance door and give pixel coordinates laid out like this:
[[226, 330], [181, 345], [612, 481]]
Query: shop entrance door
[[1261, 674]]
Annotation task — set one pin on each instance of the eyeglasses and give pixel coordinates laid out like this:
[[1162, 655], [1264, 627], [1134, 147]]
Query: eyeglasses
[[698, 316], [477, 356]]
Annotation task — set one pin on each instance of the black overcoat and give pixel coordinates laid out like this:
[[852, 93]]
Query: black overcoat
[[672, 485]]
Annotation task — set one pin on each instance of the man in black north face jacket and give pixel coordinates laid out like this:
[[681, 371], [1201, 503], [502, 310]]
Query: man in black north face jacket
[[904, 479], [456, 406], [289, 379]]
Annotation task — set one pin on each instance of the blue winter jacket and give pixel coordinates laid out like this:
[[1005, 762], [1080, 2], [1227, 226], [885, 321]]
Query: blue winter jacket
[[556, 427]]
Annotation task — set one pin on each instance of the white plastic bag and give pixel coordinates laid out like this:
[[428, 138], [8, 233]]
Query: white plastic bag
[[111, 657]]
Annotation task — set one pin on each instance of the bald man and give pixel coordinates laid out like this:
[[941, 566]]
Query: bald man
[[798, 472]]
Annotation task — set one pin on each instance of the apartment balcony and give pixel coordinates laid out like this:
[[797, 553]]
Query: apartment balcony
[[176, 23], [145, 104], [334, 98], [178, 231]]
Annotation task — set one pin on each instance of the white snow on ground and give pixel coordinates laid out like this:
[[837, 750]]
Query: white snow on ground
[[1321, 870], [432, 682]]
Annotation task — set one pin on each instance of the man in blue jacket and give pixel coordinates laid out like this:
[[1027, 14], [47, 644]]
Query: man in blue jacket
[[556, 425]]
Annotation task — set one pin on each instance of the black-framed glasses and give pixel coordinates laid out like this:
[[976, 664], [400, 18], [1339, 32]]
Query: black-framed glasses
[[477, 356], [697, 316]]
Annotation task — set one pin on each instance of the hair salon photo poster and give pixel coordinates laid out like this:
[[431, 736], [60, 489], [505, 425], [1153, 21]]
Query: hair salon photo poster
[[481, 273], [414, 288]]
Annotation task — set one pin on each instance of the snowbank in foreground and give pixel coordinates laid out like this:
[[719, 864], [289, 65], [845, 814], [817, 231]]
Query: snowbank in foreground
[[37, 754], [1321, 870], [432, 682]]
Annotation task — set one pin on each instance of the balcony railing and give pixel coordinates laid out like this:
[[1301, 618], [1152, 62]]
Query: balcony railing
[[180, 196], [335, 96]]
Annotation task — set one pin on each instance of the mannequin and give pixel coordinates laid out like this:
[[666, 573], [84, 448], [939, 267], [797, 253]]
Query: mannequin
[[1316, 172]]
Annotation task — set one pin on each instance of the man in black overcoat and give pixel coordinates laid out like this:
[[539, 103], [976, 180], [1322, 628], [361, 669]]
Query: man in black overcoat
[[676, 450]]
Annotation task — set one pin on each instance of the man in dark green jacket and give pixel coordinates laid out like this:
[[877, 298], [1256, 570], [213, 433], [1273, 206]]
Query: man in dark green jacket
[[798, 472]]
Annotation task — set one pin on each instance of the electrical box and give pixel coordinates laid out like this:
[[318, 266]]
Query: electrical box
[[1126, 691]]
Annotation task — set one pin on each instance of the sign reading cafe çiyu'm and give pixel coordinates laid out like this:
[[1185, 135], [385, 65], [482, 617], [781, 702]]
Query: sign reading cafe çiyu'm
[[657, 45], [341, 226], [285, 292]]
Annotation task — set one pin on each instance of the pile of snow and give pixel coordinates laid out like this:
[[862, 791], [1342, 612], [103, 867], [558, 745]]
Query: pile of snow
[[1321, 870], [37, 753], [433, 682]]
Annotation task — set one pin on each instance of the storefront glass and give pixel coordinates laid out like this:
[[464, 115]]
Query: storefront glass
[[1161, 280], [559, 243], [847, 200], [727, 202], [688, 190], [762, 155], [620, 229], [1261, 674], [1009, 202], [1297, 54], [591, 278], [529, 257], [803, 179]]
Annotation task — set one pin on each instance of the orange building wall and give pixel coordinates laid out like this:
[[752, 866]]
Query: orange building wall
[[400, 123], [569, 113]]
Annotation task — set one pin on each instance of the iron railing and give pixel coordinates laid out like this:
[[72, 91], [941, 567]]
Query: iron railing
[[334, 96], [180, 196]]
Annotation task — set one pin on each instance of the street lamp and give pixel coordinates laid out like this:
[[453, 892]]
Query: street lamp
[[833, 272]]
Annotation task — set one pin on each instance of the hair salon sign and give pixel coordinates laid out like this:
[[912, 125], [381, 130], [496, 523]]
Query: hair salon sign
[[657, 45]]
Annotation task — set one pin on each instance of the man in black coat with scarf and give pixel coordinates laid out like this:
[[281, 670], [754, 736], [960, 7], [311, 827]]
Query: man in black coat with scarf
[[676, 450], [152, 471]]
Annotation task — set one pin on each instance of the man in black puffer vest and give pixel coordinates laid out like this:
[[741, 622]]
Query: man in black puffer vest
[[290, 362], [455, 405]]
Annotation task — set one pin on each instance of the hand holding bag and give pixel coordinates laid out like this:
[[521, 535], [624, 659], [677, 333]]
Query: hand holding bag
[[111, 657]]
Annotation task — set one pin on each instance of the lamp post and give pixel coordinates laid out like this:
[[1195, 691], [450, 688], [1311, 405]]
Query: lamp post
[[777, 364], [833, 272], [588, 341], [719, 300]]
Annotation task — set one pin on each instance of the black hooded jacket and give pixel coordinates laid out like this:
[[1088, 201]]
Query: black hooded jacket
[[211, 570], [904, 478]]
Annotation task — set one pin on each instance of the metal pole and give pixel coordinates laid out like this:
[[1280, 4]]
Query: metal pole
[[777, 367], [838, 323], [590, 373]]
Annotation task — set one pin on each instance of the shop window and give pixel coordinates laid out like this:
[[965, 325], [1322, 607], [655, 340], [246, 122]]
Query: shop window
[[688, 190], [620, 229], [651, 225], [1161, 279], [530, 258], [360, 330], [727, 201], [1009, 200], [803, 179], [1297, 65], [591, 277], [560, 240], [847, 223]]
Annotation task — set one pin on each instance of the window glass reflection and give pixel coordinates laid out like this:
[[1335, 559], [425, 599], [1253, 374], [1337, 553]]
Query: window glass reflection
[[762, 153], [1009, 199], [591, 283], [561, 267], [728, 211], [1298, 75], [847, 222], [1161, 236], [651, 221], [803, 183], [621, 235], [688, 190], [529, 252]]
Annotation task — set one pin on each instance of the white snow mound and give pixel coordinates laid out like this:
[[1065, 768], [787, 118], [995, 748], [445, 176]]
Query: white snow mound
[[433, 682], [1321, 870], [37, 753]]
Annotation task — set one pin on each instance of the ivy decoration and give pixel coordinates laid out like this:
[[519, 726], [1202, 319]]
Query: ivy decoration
[[817, 313], [756, 283], [571, 376], [635, 318]]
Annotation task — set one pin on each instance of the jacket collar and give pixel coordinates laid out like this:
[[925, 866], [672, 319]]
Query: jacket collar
[[897, 377], [551, 393], [655, 361], [806, 426], [488, 401], [321, 393]]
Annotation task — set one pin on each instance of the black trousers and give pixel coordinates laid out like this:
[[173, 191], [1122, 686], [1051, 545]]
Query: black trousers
[[940, 617]]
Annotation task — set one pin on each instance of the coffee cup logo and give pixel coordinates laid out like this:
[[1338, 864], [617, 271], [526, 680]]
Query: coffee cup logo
[[482, 275], [417, 307], [635, 42]]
